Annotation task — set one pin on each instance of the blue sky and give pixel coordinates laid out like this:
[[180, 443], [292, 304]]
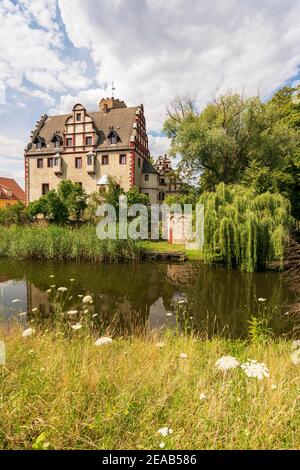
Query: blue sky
[[54, 53]]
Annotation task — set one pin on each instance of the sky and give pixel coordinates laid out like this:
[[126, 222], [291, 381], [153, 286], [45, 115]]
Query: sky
[[55, 53]]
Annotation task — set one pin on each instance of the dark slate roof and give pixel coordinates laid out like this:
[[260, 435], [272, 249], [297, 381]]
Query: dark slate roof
[[147, 167]]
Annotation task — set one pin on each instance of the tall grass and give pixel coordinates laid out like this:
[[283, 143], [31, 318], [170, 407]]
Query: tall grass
[[61, 391], [64, 243]]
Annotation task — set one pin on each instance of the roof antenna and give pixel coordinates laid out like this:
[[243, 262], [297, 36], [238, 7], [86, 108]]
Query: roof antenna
[[113, 90]]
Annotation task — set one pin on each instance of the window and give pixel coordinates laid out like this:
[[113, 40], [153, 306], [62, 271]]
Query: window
[[39, 163], [45, 188], [56, 144], [78, 116], [162, 180], [146, 177], [139, 163], [55, 161], [105, 159], [89, 140], [122, 159], [39, 145], [69, 141], [113, 139], [90, 160], [50, 162], [78, 162]]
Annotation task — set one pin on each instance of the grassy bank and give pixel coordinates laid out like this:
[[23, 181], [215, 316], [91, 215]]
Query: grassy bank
[[63, 392], [64, 243]]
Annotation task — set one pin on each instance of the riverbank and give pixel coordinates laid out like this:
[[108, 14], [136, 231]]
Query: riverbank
[[63, 243], [61, 391]]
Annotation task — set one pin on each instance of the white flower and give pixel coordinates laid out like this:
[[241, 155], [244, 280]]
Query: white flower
[[15, 301], [296, 344], [78, 326], [261, 299], [181, 301], [53, 286], [72, 312], [227, 362], [35, 309], [295, 356], [202, 396], [80, 296], [183, 355], [103, 340], [52, 275], [273, 387], [72, 280], [165, 431], [49, 291], [23, 314], [62, 289], [87, 299], [160, 345], [162, 445], [93, 316], [28, 332], [169, 314], [255, 369]]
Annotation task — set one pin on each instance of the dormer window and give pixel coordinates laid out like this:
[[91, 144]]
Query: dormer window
[[40, 142], [39, 145], [113, 137], [78, 117], [56, 144], [56, 140]]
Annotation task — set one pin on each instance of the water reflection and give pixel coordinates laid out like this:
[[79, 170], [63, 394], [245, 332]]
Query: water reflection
[[219, 300]]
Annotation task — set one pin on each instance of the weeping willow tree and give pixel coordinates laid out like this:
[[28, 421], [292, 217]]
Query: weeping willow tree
[[245, 229]]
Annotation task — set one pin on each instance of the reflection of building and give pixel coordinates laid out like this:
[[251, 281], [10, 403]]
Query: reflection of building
[[10, 192]]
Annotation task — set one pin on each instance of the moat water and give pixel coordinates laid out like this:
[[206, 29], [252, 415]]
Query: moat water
[[145, 294]]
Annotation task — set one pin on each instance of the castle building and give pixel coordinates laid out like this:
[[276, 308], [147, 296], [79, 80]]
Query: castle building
[[88, 148]]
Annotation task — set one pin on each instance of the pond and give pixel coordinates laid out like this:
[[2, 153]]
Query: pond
[[218, 300]]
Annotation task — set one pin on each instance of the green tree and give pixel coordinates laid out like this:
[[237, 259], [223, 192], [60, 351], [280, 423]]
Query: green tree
[[74, 197], [219, 144]]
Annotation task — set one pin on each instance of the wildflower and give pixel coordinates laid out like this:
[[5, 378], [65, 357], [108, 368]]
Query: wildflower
[[295, 356], [227, 362], [103, 340], [86, 311], [296, 344], [28, 332], [181, 301], [93, 316], [80, 296], [53, 286], [87, 299], [71, 297], [72, 280], [202, 396], [35, 309], [169, 314], [15, 301], [49, 291], [183, 355], [160, 344], [273, 387], [62, 289], [78, 326], [52, 275], [72, 312], [165, 431], [162, 445], [255, 369], [261, 299], [23, 314]]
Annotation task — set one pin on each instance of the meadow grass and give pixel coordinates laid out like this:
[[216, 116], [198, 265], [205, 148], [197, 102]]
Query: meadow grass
[[60, 391], [64, 243]]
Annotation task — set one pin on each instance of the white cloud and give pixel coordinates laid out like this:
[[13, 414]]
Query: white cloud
[[32, 48], [158, 145], [11, 158], [88, 98], [154, 49]]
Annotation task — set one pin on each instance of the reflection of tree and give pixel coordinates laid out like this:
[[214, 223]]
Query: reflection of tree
[[124, 293]]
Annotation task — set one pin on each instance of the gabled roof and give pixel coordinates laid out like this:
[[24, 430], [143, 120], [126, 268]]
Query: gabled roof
[[119, 120], [11, 185], [147, 167]]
